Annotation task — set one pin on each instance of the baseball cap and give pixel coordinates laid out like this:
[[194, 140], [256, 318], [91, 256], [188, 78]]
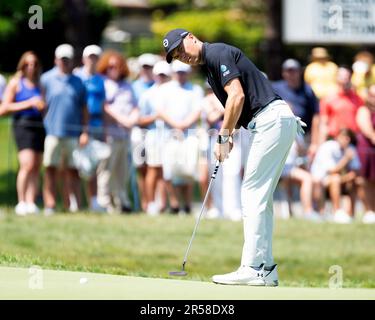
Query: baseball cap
[[172, 40], [147, 59], [178, 66], [162, 67], [64, 51], [92, 49], [291, 64]]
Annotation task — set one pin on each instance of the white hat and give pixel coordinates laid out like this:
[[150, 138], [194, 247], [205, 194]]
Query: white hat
[[64, 51], [178, 66], [147, 59], [92, 49], [162, 67]]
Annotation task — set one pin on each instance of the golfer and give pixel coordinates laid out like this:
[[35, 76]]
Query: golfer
[[250, 102]]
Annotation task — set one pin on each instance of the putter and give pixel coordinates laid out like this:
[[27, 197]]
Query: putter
[[183, 273]]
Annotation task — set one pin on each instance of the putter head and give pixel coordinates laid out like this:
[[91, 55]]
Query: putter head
[[181, 273]]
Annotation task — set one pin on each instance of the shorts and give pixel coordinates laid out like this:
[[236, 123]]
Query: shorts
[[59, 151], [29, 133], [153, 149]]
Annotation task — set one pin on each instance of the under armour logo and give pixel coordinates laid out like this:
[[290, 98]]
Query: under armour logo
[[165, 43]]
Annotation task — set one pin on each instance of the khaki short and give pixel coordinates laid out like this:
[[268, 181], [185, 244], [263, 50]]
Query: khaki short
[[59, 151]]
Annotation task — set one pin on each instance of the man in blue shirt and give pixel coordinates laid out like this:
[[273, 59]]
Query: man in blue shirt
[[65, 122], [301, 99], [95, 99]]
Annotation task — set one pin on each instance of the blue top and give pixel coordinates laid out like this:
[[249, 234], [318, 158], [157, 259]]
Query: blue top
[[65, 96], [23, 94], [95, 98], [303, 101], [140, 86]]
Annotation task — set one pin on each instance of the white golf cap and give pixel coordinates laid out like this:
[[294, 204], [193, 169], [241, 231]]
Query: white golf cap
[[162, 67], [92, 49], [291, 64], [178, 66], [64, 51], [147, 59]]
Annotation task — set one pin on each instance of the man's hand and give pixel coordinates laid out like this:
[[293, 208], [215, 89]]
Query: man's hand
[[222, 150], [83, 139]]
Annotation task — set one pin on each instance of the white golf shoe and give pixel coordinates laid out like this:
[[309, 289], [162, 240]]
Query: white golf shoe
[[271, 277], [242, 276]]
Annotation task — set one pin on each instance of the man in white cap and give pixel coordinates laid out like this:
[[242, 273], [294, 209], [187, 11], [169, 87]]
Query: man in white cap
[[95, 99], [180, 108], [65, 124], [154, 126]]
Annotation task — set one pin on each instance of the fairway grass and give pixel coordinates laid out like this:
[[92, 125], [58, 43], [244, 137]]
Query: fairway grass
[[150, 247], [21, 283]]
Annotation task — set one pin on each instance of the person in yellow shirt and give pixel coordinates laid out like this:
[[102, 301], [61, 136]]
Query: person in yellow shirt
[[363, 72], [320, 74]]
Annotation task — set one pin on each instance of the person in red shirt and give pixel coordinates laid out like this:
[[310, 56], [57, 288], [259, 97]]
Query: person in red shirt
[[338, 110]]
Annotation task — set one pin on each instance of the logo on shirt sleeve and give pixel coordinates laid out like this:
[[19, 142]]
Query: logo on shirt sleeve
[[224, 70]]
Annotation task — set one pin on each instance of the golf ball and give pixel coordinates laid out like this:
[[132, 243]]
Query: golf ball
[[83, 280]]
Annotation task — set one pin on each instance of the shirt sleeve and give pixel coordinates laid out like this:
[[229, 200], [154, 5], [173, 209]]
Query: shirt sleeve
[[313, 100], [226, 67]]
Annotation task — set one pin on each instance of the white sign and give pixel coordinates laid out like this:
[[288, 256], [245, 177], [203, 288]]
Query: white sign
[[329, 21]]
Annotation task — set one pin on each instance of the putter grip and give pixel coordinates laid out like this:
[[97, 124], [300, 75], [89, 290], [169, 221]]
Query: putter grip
[[217, 164]]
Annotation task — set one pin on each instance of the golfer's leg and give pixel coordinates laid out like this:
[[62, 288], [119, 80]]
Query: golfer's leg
[[284, 144], [267, 156]]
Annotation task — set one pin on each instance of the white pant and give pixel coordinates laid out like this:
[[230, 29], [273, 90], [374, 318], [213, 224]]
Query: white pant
[[272, 134]]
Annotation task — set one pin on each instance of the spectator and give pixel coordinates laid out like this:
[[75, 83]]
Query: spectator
[[23, 99], [3, 84], [95, 99], [294, 172], [363, 72], [211, 118], [153, 142], [121, 115], [339, 110], [321, 72], [144, 82], [65, 124], [180, 109], [336, 167], [302, 100], [366, 151]]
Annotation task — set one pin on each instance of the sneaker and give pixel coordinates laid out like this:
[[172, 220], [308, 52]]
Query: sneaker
[[271, 277], [153, 209], [49, 211], [369, 217], [212, 213], [32, 208], [21, 209], [313, 216], [242, 276], [342, 217]]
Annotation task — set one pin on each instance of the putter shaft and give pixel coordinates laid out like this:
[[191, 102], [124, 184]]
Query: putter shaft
[[213, 176]]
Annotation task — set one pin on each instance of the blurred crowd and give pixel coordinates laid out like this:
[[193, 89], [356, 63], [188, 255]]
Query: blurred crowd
[[137, 135]]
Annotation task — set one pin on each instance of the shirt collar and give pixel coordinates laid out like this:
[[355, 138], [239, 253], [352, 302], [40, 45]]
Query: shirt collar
[[204, 52]]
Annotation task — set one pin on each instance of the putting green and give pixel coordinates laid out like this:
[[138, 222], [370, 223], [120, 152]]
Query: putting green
[[34, 283]]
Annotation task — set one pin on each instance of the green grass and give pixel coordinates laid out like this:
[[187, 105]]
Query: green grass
[[139, 245]]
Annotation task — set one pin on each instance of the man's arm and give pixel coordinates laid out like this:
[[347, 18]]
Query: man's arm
[[233, 106], [233, 109]]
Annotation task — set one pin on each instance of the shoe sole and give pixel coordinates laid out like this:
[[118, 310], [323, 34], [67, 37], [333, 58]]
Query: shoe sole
[[255, 283]]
